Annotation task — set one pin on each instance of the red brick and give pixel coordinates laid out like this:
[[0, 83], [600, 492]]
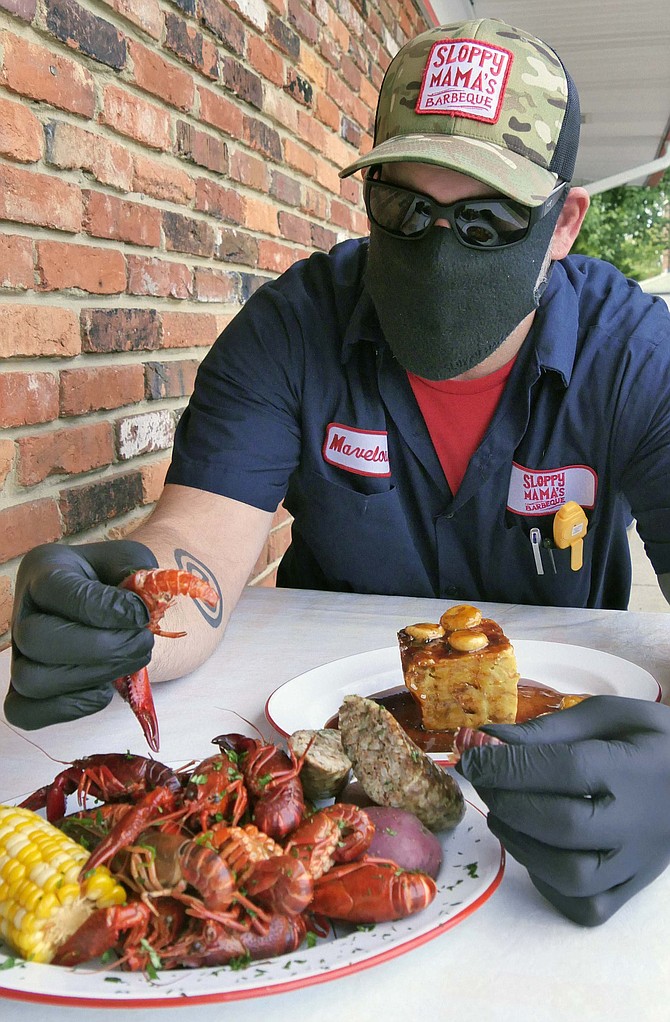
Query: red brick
[[74, 450], [284, 188], [135, 118], [190, 45], [298, 158], [323, 238], [216, 285], [315, 203], [276, 257], [159, 278], [25, 526], [6, 601], [188, 329], [27, 398], [327, 111], [109, 217], [153, 479], [39, 73], [90, 390], [21, 134], [84, 31], [83, 507], [104, 330], [161, 77], [24, 9], [249, 171], [265, 60], [217, 16], [99, 271], [7, 452], [222, 203], [221, 113], [32, 198], [236, 247], [201, 148], [146, 14], [294, 228], [261, 216], [144, 433], [186, 234], [35, 330], [262, 138], [16, 262], [70, 147], [169, 379], [161, 181]]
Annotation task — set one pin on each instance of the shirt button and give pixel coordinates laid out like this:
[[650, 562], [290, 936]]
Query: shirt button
[[451, 592], [449, 515]]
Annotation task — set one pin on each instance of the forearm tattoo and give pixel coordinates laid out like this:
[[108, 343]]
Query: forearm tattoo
[[187, 562]]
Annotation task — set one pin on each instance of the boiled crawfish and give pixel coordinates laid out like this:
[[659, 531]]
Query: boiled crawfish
[[158, 589], [272, 781]]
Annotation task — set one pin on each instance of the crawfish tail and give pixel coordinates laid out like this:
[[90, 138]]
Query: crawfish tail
[[166, 583], [471, 738]]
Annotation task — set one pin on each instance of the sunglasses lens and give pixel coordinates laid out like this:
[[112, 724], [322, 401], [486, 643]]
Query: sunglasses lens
[[398, 211], [479, 223], [490, 224]]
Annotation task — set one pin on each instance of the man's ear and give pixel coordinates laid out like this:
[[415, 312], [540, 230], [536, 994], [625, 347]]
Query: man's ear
[[569, 222]]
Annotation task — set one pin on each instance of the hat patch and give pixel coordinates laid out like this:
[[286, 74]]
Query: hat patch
[[465, 78]]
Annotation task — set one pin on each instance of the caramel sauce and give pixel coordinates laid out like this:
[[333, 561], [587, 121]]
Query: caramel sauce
[[534, 699]]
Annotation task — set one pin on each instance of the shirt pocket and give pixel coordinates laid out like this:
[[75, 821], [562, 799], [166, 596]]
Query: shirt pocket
[[558, 584], [361, 541]]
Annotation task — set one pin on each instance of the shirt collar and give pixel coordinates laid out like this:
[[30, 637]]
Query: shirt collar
[[555, 328]]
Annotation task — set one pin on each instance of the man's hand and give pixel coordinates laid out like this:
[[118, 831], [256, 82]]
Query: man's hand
[[581, 798], [73, 631]]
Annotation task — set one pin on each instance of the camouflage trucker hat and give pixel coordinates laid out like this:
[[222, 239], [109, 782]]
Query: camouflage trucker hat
[[482, 98]]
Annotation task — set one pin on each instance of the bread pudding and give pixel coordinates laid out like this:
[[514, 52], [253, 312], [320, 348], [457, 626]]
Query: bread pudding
[[462, 671]]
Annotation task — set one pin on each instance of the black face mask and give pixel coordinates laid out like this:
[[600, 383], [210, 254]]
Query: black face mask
[[445, 308]]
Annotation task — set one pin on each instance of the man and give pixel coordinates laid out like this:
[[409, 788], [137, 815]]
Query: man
[[421, 403]]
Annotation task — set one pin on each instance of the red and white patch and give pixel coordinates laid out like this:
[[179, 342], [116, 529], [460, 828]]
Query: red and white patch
[[542, 491], [363, 451], [465, 78]]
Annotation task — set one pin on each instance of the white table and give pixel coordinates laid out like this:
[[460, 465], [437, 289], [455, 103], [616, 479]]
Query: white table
[[513, 959]]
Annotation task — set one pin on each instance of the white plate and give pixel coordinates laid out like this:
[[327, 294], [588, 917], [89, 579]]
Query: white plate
[[311, 699], [471, 871]]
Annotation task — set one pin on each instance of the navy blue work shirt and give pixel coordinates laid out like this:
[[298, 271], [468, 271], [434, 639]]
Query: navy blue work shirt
[[301, 399]]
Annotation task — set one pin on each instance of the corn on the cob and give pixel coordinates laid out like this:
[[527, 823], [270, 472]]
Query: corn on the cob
[[42, 901]]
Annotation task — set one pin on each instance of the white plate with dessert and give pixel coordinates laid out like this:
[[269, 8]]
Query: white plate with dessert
[[546, 674]]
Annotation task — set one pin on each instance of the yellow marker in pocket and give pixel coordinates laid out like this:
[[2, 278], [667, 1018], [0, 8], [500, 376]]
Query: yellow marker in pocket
[[570, 524]]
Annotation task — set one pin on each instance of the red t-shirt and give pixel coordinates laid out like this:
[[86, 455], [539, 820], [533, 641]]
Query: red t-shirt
[[457, 414]]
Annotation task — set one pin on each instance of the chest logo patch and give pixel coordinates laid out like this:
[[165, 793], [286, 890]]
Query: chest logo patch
[[465, 78], [542, 491], [362, 451]]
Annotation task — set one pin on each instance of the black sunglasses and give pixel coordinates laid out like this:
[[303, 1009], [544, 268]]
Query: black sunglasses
[[477, 223]]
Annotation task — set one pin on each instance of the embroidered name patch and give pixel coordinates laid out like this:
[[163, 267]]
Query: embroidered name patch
[[542, 491], [362, 451], [465, 78]]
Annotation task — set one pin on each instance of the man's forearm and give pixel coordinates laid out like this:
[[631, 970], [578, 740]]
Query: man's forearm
[[216, 539]]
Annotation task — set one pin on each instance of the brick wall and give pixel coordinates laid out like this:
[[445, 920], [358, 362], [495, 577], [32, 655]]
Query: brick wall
[[158, 162]]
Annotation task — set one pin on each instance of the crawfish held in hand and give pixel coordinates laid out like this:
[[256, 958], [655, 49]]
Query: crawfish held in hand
[[158, 589]]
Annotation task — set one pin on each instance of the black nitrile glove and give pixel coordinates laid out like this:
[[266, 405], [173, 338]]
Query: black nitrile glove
[[581, 798], [73, 631]]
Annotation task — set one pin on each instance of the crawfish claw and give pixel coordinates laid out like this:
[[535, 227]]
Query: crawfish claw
[[136, 690]]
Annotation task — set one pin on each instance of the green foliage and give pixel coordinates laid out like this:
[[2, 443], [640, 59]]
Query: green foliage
[[629, 226]]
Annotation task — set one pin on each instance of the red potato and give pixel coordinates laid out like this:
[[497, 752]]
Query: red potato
[[401, 837]]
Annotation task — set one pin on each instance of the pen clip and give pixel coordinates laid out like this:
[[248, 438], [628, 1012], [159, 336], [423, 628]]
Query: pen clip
[[536, 542]]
